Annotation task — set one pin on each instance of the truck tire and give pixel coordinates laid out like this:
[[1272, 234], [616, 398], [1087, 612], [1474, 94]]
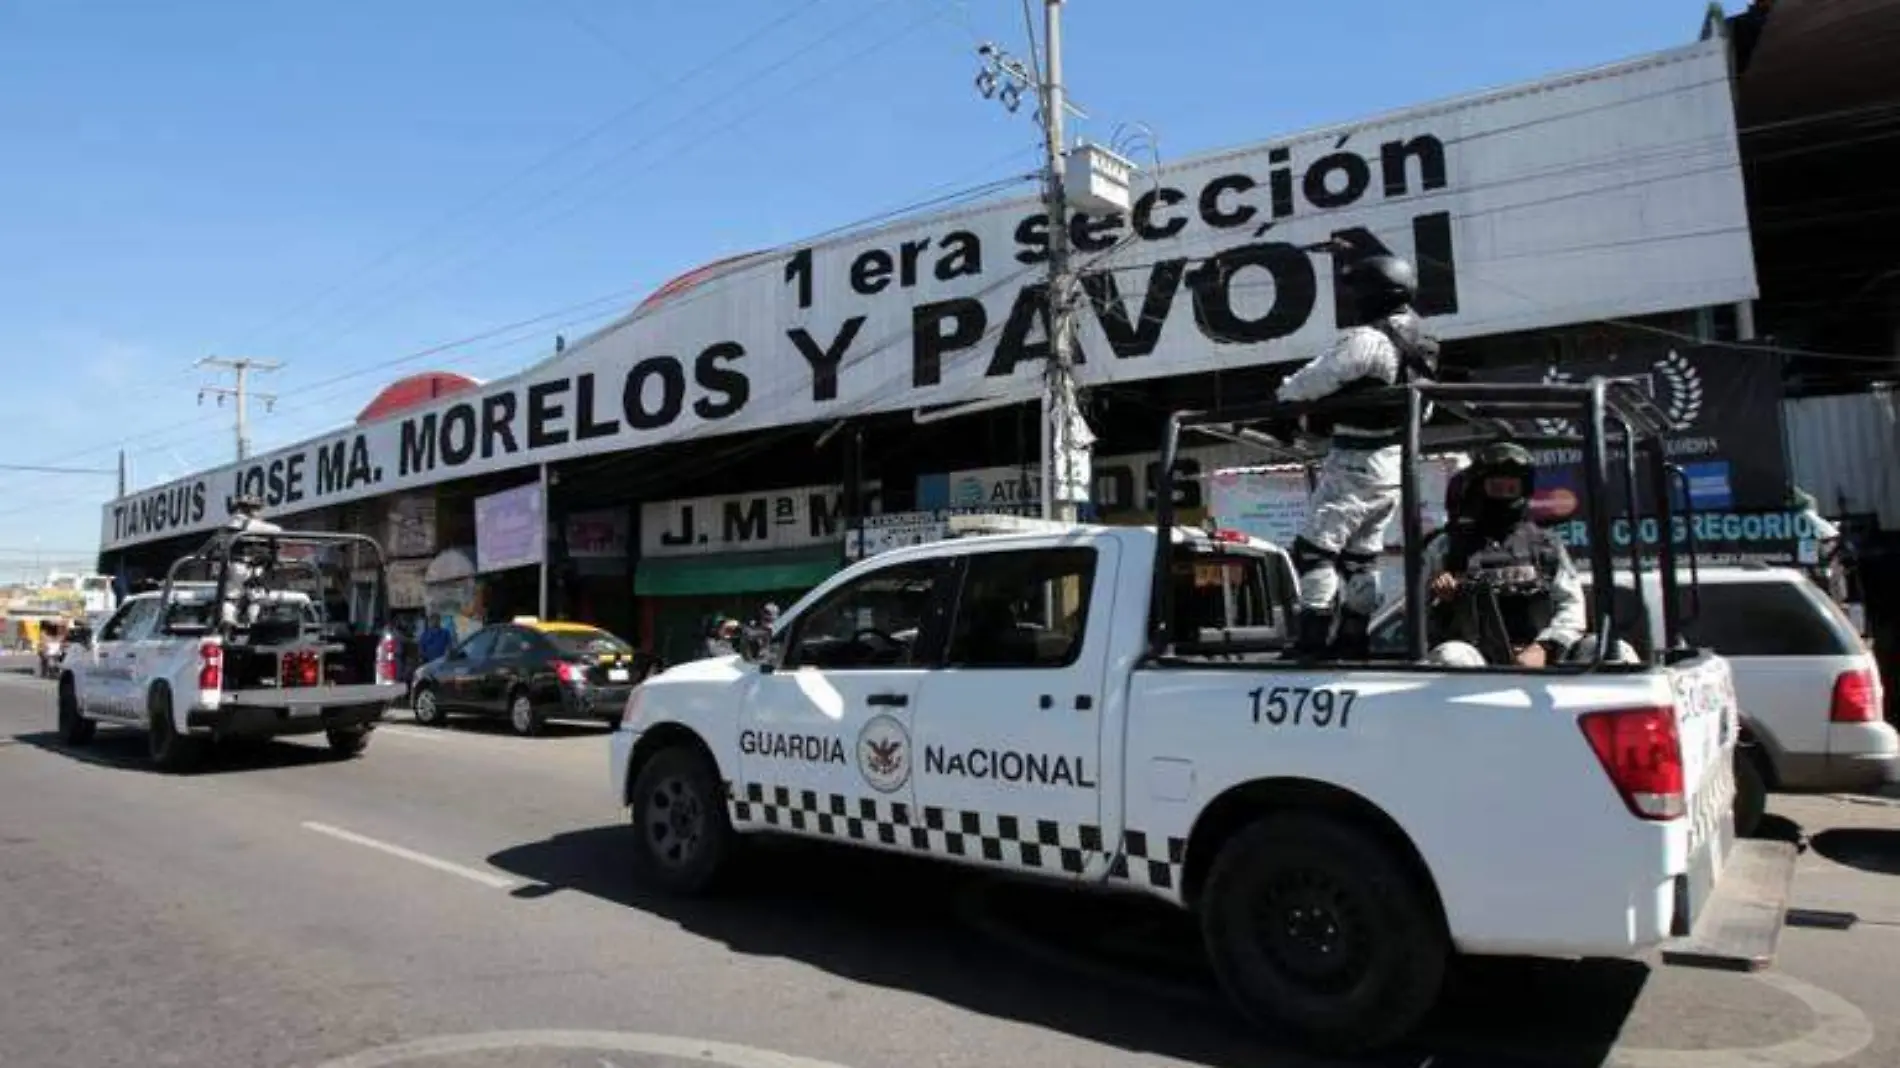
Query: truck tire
[[74, 729], [1751, 791], [424, 707], [526, 719], [682, 835], [346, 742], [169, 750], [1316, 927]]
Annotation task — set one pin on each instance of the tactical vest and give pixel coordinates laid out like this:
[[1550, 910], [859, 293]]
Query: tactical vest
[[1518, 571], [1376, 426]]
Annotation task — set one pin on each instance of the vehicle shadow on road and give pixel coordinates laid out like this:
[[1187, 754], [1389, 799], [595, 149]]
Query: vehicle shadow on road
[[1124, 972], [500, 727], [1869, 849], [126, 751]]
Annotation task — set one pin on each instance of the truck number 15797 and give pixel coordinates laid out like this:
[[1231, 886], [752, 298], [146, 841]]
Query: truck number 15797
[[1302, 706]]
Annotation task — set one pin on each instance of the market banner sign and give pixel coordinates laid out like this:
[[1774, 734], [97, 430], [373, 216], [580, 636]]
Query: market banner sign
[[1120, 485], [1725, 404], [1613, 192]]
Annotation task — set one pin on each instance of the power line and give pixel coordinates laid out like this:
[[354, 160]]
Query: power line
[[45, 469], [240, 392], [513, 221], [559, 152]]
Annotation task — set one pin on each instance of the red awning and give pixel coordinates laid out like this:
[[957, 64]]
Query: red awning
[[414, 391]]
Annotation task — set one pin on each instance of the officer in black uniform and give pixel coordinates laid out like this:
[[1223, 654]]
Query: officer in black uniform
[[1358, 490], [1500, 584]]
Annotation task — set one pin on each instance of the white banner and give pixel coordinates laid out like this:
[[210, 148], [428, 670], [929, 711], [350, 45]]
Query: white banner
[[1614, 192], [509, 529]]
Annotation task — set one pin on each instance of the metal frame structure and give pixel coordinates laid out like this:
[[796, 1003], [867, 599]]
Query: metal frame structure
[[1609, 410], [219, 549]]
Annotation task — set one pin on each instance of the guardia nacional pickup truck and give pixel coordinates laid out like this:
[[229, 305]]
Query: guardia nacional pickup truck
[[1115, 708]]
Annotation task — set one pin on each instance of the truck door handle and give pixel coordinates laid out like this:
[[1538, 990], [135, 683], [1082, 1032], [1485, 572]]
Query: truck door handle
[[888, 700]]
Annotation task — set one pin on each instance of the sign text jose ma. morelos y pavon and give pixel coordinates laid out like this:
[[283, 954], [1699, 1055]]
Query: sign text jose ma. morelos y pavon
[[1488, 194]]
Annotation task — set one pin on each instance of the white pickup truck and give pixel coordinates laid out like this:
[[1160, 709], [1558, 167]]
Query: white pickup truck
[[245, 656], [1340, 830]]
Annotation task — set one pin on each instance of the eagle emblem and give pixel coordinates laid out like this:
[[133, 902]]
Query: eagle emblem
[[884, 754]]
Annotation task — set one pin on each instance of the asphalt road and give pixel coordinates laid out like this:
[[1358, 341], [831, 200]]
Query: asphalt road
[[459, 897]]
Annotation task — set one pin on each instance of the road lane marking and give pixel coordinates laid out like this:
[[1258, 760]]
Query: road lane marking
[[435, 735], [493, 882], [671, 1047]]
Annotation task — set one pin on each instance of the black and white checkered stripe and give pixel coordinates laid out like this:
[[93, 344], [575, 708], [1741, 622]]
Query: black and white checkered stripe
[[1010, 841]]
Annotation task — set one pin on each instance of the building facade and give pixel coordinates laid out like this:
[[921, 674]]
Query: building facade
[[710, 452]]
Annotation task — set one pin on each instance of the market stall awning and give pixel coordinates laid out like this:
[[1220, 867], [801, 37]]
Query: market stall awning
[[690, 576]]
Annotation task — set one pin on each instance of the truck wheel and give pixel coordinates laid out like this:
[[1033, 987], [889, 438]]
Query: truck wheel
[[523, 716], [346, 742], [169, 750], [74, 729], [682, 834], [426, 710], [1313, 925], [1751, 792]]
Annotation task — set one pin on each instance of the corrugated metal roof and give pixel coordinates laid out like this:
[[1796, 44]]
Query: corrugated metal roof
[[1846, 452]]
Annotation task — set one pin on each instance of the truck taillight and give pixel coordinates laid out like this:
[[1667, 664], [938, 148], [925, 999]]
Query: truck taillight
[[386, 660], [1642, 754], [1854, 698], [302, 667], [210, 666]]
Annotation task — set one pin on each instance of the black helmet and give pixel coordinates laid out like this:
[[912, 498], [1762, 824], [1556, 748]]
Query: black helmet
[[1381, 285], [1499, 460]]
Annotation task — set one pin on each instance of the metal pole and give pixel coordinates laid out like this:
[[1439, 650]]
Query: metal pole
[[122, 472], [541, 611], [243, 435], [239, 392], [1059, 394]]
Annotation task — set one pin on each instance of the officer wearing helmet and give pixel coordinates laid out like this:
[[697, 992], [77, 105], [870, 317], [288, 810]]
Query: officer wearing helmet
[[1493, 554], [1337, 551], [248, 563]]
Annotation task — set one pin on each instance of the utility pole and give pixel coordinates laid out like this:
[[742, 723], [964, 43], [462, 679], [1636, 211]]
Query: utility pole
[[1065, 437], [239, 392], [1060, 408]]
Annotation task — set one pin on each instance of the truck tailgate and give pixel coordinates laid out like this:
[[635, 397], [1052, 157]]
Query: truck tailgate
[[1732, 905]]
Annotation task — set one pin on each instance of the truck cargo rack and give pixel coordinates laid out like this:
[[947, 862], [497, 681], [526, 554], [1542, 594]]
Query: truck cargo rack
[[1609, 411]]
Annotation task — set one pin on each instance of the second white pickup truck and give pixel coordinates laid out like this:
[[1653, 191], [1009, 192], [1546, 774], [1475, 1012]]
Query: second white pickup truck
[[230, 648]]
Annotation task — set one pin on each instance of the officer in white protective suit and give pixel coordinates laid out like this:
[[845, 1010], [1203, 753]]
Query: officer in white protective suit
[[1358, 491], [244, 520]]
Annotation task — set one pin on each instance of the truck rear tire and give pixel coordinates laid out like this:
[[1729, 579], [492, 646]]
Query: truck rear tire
[[1315, 926], [682, 834], [346, 742], [169, 750], [74, 729], [1751, 791]]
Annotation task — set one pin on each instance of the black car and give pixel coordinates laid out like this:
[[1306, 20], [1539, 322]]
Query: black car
[[531, 671]]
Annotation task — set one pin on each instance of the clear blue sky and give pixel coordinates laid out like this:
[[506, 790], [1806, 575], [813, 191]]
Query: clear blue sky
[[337, 185]]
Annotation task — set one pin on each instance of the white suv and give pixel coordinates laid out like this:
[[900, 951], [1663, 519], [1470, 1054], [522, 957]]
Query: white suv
[[1809, 688], [1810, 693]]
